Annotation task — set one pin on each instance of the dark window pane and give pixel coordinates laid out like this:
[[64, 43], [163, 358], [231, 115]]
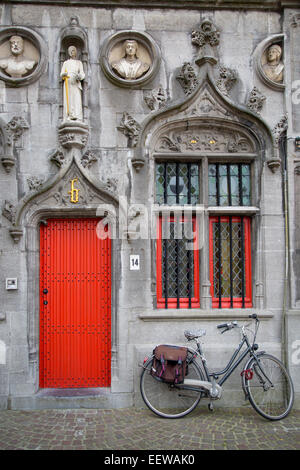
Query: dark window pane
[[179, 264], [177, 183], [229, 184]]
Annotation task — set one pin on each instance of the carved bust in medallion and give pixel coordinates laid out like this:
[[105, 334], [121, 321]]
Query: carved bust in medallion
[[273, 68], [130, 66], [16, 64]]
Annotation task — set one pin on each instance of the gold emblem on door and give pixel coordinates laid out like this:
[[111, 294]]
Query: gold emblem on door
[[74, 192]]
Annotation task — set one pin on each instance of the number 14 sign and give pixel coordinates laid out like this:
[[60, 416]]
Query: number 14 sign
[[134, 262]]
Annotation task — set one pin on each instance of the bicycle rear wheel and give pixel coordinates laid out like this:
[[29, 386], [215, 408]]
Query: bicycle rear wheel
[[168, 400], [270, 390]]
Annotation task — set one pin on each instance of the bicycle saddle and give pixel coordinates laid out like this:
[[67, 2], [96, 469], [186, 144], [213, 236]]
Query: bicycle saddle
[[193, 334]]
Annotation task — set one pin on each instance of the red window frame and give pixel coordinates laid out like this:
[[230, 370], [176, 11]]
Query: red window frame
[[172, 301], [237, 301]]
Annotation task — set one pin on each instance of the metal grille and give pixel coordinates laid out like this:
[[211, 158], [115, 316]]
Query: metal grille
[[230, 265], [229, 184], [75, 305], [177, 264], [177, 183]]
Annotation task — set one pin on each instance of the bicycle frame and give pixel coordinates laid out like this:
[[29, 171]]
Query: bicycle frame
[[232, 364]]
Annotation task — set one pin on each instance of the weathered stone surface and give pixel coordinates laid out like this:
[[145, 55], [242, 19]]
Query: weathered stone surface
[[125, 172]]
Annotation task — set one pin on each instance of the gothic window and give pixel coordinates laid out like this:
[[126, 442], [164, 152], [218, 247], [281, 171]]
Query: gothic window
[[225, 185]]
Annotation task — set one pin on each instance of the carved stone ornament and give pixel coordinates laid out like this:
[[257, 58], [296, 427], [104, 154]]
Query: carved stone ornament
[[88, 159], [297, 169], [35, 183], [130, 58], [206, 104], [207, 37], [268, 62], [226, 80], [9, 134], [156, 99], [23, 56], [188, 78], [58, 157], [205, 139], [73, 190], [9, 211], [15, 129], [280, 128], [256, 100], [278, 131], [73, 134], [110, 184], [130, 128], [294, 20]]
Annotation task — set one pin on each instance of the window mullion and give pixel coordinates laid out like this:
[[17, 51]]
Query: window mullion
[[240, 185], [229, 184]]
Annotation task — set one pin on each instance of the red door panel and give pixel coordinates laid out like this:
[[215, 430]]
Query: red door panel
[[75, 305]]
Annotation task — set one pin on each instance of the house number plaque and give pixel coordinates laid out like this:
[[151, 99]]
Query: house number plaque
[[134, 261]]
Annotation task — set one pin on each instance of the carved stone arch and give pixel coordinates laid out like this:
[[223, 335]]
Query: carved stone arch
[[204, 135], [54, 194], [206, 108], [52, 200]]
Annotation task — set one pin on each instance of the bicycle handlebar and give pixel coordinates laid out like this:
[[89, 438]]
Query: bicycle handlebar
[[227, 326], [233, 324]]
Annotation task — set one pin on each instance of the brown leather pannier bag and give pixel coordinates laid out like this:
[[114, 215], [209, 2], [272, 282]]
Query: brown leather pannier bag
[[169, 363]]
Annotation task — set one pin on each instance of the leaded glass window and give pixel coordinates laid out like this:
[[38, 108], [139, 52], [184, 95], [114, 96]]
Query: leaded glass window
[[230, 261], [177, 183], [177, 263], [229, 184]]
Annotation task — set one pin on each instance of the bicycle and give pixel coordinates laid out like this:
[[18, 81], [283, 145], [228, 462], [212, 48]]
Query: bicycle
[[265, 380]]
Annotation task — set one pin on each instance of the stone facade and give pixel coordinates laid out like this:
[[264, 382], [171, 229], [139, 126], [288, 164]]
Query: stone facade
[[202, 96]]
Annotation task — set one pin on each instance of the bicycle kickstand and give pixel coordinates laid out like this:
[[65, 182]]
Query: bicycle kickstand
[[211, 406]]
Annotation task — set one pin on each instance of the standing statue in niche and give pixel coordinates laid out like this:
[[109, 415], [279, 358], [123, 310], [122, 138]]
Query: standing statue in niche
[[16, 65], [72, 74], [130, 66], [273, 68]]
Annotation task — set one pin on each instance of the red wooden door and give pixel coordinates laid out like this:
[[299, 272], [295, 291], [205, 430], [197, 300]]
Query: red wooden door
[[75, 305]]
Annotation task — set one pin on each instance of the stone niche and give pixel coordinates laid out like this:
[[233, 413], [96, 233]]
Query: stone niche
[[125, 71], [24, 66]]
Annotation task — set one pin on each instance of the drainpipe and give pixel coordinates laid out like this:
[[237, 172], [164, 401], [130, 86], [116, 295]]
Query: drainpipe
[[283, 142]]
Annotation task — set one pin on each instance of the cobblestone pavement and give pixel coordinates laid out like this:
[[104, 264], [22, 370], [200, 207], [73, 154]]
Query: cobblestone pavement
[[140, 429]]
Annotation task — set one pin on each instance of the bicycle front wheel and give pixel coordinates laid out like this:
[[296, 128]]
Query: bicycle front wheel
[[270, 390], [168, 400]]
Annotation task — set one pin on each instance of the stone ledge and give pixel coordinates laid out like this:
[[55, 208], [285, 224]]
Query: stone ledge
[[195, 314], [275, 5]]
